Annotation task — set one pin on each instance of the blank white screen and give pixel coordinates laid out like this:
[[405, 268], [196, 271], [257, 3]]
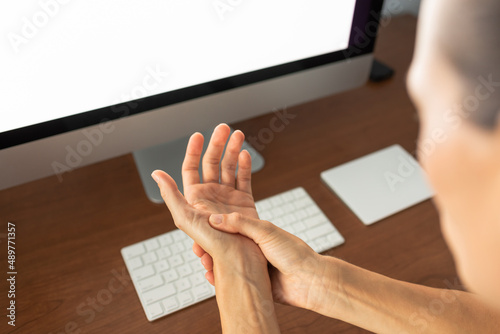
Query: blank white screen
[[94, 53]]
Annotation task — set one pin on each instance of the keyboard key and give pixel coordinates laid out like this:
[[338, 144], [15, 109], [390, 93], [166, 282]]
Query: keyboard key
[[176, 248], [280, 222], [301, 214], [314, 245], [302, 203], [158, 294], [197, 279], [155, 310], [299, 227], [276, 201], [170, 304], [258, 207], [152, 244], [184, 270], [182, 285], [287, 197], [189, 256], [179, 236], [302, 236], [265, 205], [202, 291], [196, 265], [313, 210], [188, 244], [335, 239], [266, 215], [299, 193], [166, 239], [319, 231], [290, 218], [135, 263], [289, 229], [143, 272], [313, 221], [323, 244], [175, 261], [277, 212], [163, 253], [185, 298], [170, 276], [149, 258], [133, 251], [150, 283], [161, 266], [288, 208]]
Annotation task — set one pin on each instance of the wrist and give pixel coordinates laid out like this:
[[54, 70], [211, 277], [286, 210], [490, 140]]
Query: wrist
[[244, 297], [237, 273], [243, 265]]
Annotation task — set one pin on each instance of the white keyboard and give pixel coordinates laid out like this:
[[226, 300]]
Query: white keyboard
[[168, 276]]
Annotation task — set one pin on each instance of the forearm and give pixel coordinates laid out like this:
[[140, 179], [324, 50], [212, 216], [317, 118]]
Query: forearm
[[245, 300], [384, 305]]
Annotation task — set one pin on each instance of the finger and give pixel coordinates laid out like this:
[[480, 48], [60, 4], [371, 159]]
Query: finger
[[211, 159], [197, 250], [190, 166], [257, 230], [209, 275], [207, 262], [230, 160], [244, 177], [176, 203]]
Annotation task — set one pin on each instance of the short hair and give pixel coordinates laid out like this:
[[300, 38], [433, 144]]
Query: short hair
[[470, 40]]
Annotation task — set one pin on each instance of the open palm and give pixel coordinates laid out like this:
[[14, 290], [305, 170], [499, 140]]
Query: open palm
[[218, 198], [221, 190]]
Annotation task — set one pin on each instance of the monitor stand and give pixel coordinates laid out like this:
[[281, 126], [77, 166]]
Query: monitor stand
[[169, 156]]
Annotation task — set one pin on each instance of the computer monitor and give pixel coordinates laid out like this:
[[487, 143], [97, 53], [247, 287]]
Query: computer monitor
[[82, 82]]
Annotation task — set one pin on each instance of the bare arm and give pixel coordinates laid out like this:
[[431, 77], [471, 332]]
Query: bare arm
[[244, 298], [384, 305], [366, 299]]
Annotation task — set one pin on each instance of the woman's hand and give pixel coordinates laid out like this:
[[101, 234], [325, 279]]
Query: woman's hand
[[300, 276], [220, 192]]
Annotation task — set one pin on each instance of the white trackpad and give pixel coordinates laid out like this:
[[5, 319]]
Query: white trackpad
[[379, 184]]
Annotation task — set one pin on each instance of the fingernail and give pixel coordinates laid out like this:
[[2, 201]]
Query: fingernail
[[216, 219], [155, 177]]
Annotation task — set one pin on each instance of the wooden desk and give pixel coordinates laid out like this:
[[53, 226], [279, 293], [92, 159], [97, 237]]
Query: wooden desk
[[71, 275]]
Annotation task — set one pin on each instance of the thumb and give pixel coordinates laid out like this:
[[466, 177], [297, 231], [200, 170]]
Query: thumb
[[174, 200], [194, 224], [257, 230]]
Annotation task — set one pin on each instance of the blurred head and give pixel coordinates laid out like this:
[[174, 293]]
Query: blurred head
[[454, 81]]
